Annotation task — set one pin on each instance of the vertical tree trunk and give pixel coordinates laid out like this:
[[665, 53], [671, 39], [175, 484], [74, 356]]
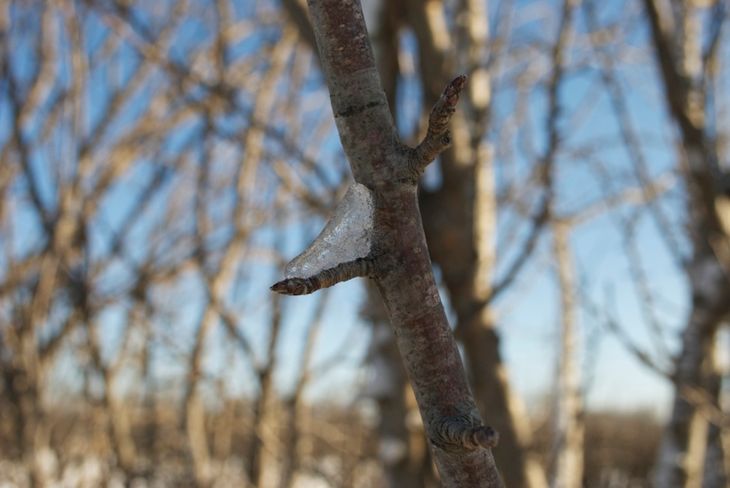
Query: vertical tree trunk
[[498, 404], [402, 448], [681, 460], [683, 71], [256, 459], [460, 224], [715, 473], [193, 407], [569, 424], [294, 406]]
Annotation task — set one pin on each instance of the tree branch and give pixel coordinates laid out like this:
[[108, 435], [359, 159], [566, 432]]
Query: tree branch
[[402, 271], [676, 84], [325, 279], [438, 136]]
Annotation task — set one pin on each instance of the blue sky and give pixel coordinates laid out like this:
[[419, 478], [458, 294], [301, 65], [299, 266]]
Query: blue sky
[[527, 313]]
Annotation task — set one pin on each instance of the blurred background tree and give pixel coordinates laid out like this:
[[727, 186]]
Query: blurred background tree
[[160, 162]]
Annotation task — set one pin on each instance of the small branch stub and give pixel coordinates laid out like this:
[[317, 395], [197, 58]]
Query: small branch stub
[[461, 433], [438, 136], [325, 279]]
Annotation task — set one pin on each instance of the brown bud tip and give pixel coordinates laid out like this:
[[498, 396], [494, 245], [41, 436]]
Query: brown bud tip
[[459, 82], [292, 286], [279, 287], [453, 89], [486, 437]]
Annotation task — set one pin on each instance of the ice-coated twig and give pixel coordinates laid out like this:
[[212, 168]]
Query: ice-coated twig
[[438, 136], [346, 237], [325, 278]]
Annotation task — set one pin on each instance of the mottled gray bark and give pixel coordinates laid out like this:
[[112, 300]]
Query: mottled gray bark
[[402, 449], [401, 265]]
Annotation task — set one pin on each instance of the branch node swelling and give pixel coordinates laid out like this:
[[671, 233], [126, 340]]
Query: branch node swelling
[[462, 433], [438, 136]]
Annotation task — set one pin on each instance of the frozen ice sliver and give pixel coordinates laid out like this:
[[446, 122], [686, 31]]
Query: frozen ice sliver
[[346, 237]]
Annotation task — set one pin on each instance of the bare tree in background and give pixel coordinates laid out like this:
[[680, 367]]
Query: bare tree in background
[[685, 39], [461, 217], [159, 160], [134, 182], [686, 48], [60, 164], [569, 412]]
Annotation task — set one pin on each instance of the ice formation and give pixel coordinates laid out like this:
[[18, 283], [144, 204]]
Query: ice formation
[[346, 237]]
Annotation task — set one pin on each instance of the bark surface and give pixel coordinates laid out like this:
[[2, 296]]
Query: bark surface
[[401, 266], [460, 221]]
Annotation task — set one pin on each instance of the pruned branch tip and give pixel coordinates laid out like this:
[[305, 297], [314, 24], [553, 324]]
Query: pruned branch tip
[[438, 136]]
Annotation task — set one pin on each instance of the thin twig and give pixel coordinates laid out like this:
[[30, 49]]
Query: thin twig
[[325, 278], [438, 136]]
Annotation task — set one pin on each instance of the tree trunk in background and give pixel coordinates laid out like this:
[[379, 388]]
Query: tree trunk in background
[[686, 71], [256, 458], [193, 409], [401, 267], [402, 448], [500, 406], [682, 457], [460, 220], [715, 470], [569, 422]]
